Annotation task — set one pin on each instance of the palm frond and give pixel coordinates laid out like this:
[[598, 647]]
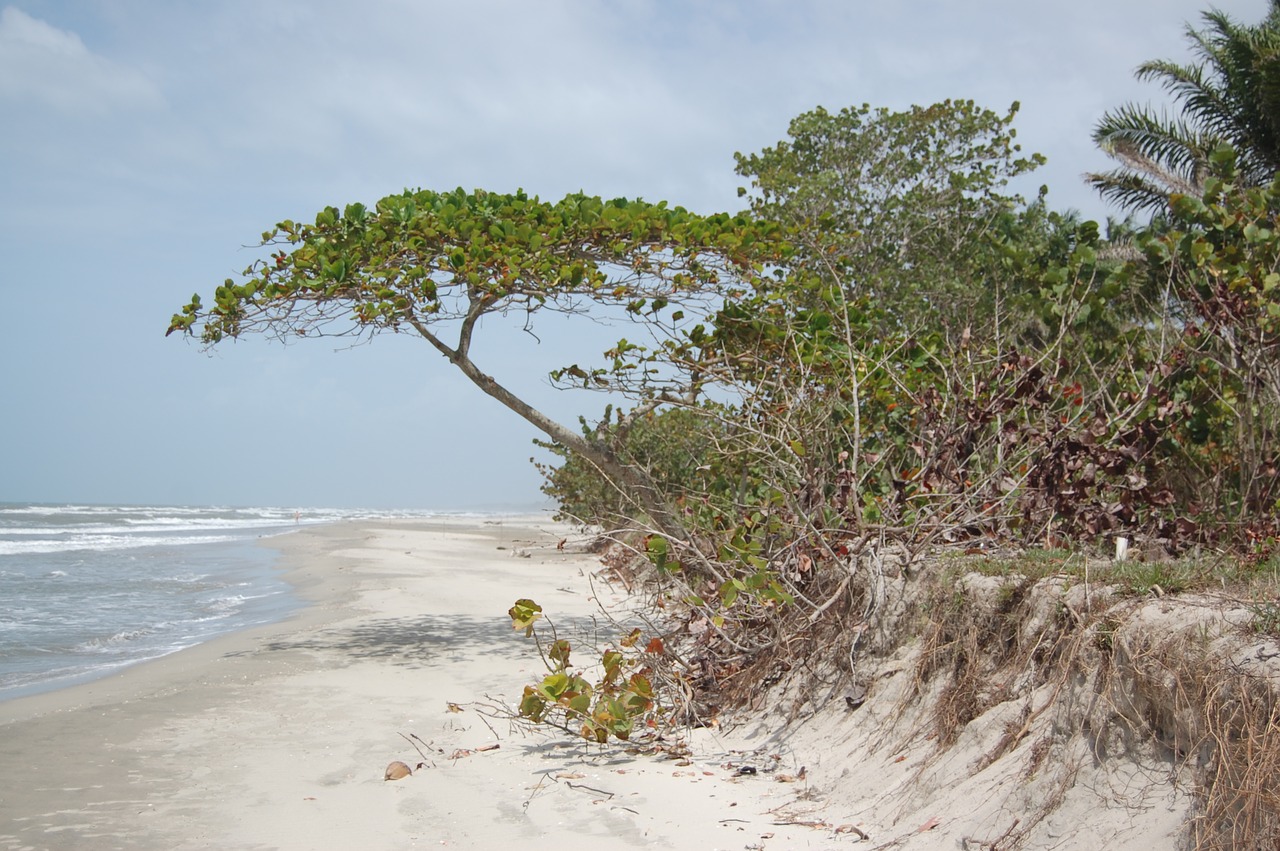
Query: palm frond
[[1139, 135], [1130, 191], [1230, 95]]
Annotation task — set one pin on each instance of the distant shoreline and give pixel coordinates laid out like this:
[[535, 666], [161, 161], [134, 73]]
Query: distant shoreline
[[297, 578], [98, 589]]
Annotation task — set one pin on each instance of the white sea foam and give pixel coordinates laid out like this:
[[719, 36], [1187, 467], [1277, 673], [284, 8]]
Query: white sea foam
[[102, 543], [88, 588]]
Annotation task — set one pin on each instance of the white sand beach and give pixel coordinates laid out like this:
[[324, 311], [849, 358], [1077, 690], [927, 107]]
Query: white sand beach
[[278, 737]]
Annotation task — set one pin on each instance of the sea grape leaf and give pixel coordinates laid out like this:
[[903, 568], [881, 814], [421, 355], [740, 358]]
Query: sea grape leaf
[[523, 614]]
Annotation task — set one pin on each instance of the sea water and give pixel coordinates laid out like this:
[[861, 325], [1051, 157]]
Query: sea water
[[87, 589]]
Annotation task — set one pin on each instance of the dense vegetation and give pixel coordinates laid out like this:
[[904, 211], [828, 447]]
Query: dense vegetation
[[885, 346]]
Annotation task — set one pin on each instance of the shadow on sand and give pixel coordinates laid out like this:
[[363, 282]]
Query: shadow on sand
[[429, 639]]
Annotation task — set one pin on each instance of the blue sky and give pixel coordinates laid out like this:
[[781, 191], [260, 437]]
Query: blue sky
[[143, 145]]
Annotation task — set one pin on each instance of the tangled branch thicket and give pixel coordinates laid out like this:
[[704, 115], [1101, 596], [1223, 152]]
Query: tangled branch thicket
[[1107, 399], [842, 447]]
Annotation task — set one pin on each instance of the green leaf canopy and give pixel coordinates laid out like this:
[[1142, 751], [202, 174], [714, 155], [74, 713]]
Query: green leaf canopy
[[421, 257]]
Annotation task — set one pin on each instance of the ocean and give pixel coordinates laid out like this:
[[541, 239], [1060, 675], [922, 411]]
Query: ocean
[[88, 589]]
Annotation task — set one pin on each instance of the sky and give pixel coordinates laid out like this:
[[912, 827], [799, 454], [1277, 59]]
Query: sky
[[144, 147]]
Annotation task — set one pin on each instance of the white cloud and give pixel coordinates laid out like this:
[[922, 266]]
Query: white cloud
[[43, 64]]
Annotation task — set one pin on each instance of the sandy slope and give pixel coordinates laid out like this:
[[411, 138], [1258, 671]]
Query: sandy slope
[[278, 737]]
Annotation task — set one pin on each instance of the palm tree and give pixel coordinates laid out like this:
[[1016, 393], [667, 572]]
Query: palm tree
[[1231, 96]]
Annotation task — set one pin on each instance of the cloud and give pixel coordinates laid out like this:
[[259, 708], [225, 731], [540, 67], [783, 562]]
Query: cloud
[[42, 64]]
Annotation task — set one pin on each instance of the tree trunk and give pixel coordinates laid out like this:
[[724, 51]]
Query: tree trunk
[[634, 482]]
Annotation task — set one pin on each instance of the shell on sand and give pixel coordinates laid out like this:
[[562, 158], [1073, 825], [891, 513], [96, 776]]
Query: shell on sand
[[397, 770]]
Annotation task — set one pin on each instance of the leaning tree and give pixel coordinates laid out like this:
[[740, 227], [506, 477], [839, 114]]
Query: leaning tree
[[433, 264]]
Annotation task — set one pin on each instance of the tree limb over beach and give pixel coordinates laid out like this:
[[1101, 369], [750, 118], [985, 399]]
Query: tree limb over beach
[[434, 264]]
